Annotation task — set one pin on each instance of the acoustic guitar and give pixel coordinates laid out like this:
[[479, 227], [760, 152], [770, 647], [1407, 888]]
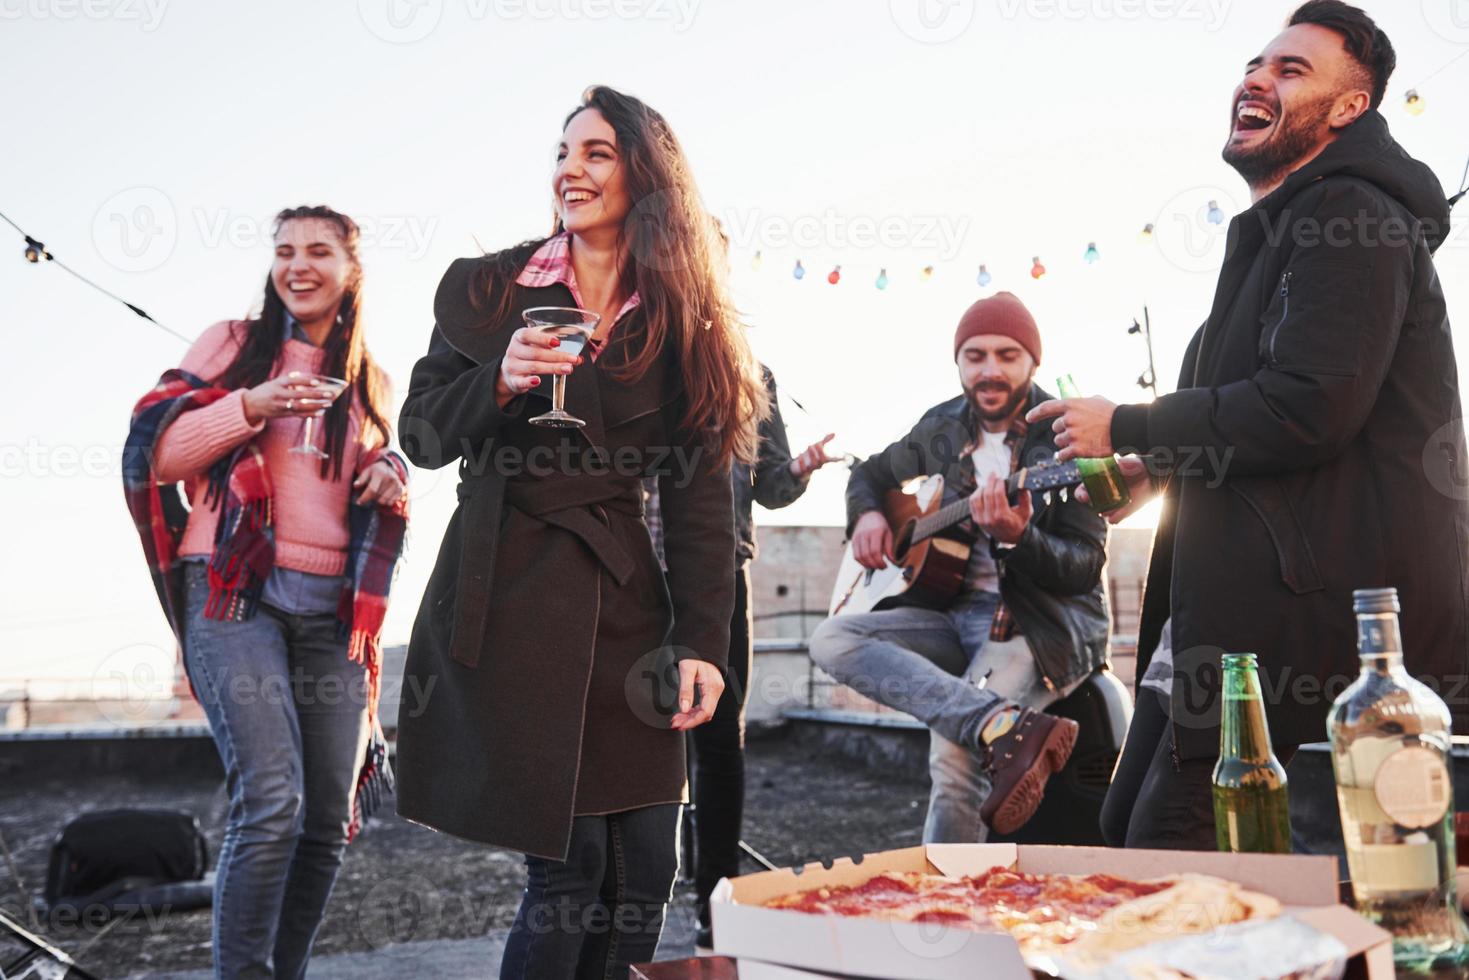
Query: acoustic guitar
[[929, 570]]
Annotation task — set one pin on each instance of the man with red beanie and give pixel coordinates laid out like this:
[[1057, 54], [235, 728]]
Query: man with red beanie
[[1029, 624]]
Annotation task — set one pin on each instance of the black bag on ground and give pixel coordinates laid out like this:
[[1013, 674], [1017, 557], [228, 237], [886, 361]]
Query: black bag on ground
[[99, 851]]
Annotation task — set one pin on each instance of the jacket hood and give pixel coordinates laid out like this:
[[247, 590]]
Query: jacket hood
[[1366, 150]]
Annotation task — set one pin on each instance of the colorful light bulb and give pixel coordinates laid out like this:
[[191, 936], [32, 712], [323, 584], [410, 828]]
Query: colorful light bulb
[[1091, 253], [1146, 235], [882, 279], [799, 271], [1414, 103], [1036, 269], [926, 274], [1216, 216], [984, 276], [756, 262], [834, 276]]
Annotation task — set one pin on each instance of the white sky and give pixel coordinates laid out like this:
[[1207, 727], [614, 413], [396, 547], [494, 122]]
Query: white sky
[[148, 143]]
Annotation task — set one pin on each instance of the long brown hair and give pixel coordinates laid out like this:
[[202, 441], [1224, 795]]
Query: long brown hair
[[344, 355], [674, 258]]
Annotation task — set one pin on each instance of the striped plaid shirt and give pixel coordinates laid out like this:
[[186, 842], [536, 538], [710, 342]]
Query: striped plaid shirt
[[552, 264]]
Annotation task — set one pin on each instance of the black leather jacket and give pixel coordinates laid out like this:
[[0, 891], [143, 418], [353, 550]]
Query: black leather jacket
[[1052, 579]]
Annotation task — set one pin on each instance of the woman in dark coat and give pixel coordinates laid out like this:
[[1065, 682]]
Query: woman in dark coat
[[558, 670]]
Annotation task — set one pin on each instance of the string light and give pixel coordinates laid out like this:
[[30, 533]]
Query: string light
[[36, 250], [1036, 269], [882, 279], [757, 261], [1091, 253], [926, 274], [984, 276], [835, 276], [1146, 235], [1414, 103], [799, 271], [1216, 216]]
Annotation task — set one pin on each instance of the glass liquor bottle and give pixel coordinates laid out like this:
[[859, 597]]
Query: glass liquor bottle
[[1251, 805], [1105, 484], [1390, 750]]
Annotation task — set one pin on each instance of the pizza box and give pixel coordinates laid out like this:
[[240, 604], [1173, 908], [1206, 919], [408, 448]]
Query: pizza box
[[781, 943]]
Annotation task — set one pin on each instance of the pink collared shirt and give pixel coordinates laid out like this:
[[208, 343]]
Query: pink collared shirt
[[552, 264]]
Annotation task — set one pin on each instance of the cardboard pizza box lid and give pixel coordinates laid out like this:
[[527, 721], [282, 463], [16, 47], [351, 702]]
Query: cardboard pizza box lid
[[909, 951]]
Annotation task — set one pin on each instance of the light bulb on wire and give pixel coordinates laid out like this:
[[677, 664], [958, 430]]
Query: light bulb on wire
[[35, 251], [756, 262], [926, 274], [1092, 254], [882, 279], [1216, 216], [1414, 103], [984, 276], [834, 276], [799, 271]]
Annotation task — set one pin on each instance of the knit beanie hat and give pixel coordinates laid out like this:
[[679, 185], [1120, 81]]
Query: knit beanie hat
[[1002, 314]]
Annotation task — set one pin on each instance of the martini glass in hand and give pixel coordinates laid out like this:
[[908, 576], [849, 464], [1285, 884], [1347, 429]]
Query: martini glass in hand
[[573, 328], [324, 389]]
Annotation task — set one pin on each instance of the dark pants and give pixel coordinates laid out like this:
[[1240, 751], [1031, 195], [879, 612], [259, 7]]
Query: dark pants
[[1156, 801], [719, 761], [601, 909]]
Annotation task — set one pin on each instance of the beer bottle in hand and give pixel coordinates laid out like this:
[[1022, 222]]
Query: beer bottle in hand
[[1103, 478]]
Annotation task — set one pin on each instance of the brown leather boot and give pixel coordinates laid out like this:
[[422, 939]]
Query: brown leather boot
[[1019, 762]]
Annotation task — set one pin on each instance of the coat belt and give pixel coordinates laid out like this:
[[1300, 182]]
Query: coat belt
[[567, 504]]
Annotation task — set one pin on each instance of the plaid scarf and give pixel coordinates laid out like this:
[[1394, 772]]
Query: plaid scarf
[[1002, 628], [244, 550]]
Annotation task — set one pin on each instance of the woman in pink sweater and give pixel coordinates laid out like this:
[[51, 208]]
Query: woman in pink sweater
[[287, 707]]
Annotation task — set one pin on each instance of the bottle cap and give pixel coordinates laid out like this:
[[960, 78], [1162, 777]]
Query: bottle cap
[[1238, 661], [1369, 601]]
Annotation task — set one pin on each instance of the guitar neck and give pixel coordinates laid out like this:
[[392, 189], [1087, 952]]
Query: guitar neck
[[950, 514]]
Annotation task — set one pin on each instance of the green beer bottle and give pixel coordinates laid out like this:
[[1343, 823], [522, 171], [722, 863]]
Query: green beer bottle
[[1251, 811], [1102, 477]]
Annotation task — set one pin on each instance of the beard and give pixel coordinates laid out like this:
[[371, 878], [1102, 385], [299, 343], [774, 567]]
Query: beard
[[1297, 133], [1005, 411]]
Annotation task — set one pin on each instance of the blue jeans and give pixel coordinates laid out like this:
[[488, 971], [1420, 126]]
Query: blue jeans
[[929, 663], [601, 909], [288, 712]]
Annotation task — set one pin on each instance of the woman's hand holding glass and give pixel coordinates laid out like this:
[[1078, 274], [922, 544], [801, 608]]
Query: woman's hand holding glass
[[531, 353], [293, 394]]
